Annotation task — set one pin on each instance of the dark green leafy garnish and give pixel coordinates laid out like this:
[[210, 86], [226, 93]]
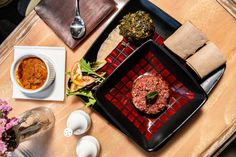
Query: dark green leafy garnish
[[137, 26], [151, 97], [91, 100]]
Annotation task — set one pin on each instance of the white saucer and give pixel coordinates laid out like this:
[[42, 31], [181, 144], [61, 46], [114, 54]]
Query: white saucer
[[56, 91]]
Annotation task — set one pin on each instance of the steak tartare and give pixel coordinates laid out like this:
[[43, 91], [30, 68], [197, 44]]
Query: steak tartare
[[146, 85]]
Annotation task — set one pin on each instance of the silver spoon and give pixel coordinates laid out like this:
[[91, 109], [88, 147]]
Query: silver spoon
[[77, 27]]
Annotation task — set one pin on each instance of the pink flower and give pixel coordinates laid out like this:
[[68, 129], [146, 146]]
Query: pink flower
[[3, 121], [5, 108], [2, 101], [2, 126], [6, 124], [3, 147], [13, 122], [2, 130]]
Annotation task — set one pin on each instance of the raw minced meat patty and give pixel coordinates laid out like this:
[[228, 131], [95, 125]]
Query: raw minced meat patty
[[146, 84]]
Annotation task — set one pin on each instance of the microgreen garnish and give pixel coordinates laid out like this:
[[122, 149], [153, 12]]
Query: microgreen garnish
[[151, 97], [86, 68], [91, 100]]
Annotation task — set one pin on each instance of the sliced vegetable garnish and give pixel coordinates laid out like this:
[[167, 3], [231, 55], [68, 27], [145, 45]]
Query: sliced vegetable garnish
[[83, 77], [76, 71]]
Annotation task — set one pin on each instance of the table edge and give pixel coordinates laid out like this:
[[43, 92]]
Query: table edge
[[17, 35]]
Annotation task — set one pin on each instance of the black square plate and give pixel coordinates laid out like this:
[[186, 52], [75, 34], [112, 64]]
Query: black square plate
[[165, 26], [114, 96]]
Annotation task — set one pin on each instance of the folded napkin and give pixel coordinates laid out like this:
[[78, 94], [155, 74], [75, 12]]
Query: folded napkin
[[229, 5], [206, 60], [186, 40], [58, 14]]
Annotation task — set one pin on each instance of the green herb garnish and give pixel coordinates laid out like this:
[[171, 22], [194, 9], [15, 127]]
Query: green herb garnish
[[86, 68], [151, 97], [91, 100]]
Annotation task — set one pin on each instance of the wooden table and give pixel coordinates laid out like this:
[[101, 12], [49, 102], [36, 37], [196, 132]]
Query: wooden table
[[199, 137]]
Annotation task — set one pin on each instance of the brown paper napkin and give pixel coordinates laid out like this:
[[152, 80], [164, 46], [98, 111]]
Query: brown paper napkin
[[186, 40], [58, 14], [229, 5], [206, 60]]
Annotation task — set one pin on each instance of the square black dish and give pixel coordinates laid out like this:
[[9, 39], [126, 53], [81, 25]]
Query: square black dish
[[165, 26], [114, 96]]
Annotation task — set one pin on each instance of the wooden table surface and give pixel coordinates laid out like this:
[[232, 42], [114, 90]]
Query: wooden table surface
[[199, 137]]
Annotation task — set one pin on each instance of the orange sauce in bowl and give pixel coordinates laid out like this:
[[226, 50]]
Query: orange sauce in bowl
[[31, 73]]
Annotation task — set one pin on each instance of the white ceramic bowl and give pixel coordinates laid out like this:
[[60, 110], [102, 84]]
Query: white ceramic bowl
[[50, 76]]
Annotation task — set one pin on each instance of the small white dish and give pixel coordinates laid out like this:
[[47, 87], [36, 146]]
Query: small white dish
[[50, 70], [56, 90]]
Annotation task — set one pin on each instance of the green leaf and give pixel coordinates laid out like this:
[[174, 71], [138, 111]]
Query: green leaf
[[86, 67], [91, 102], [80, 92], [151, 97], [90, 69], [88, 94]]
